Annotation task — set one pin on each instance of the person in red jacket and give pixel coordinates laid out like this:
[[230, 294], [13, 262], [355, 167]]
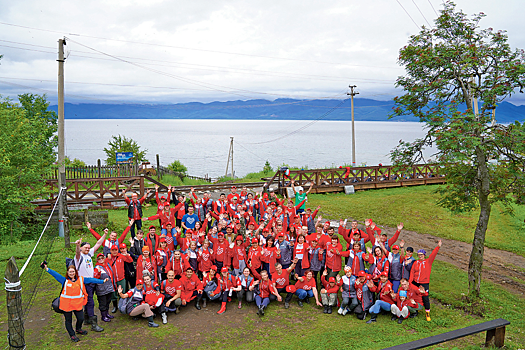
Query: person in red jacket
[[266, 288], [134, 210], [301, 254], [380, 262], [116, 261], [191, 288], [333, 257], [152, 239], [413, 293], [220, 248], [420, 274], [270, 255], [238, 255], [146, 262], [254, 256], [227, 283], [205, 257], [329, 292], [400, 308], [113, 240], [385, 300], [162, 256], [178, 264]]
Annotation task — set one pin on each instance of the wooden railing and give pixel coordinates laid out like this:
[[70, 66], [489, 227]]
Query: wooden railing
[[330, 180], [96, 171]]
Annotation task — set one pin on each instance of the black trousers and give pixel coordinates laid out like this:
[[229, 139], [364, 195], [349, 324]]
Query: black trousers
[[426, 300], [104, 301], [68, 316]]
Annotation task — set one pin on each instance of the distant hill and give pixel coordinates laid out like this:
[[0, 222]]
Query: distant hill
[[280, 109]]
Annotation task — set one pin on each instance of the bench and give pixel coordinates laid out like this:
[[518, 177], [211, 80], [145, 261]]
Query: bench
[[495, 334]]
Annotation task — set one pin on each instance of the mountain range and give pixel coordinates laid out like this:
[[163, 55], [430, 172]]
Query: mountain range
[[280, 109]]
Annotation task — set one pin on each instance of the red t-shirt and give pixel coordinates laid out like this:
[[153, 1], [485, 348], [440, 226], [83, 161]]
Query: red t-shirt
[[282, 280], [305, 285], [171, 288]]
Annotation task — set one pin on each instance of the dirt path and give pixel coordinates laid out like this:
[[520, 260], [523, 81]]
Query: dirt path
[[504, 268]]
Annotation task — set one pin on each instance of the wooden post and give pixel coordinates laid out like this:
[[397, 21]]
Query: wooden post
[[15, 322], [98, 166], [158, 167]]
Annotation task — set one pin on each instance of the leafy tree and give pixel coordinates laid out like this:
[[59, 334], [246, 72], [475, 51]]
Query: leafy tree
[[123, 144], [27, 144], [267, 167], [74, 163], [178, 167], [448, 69]]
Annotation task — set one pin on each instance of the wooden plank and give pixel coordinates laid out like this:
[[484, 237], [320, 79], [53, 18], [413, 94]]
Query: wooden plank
[[458, 333]]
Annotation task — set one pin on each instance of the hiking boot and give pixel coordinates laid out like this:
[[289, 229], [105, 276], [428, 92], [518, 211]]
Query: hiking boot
[[373, 318], [325, 311], [393, 318], [204, 303], [104, 316], [307, 300], [286, 305], [81, 332], [300, 303], [328, 309], [164, 318], [94, 326], [400, 320], [198, 305], [74, 339], [177, 310], [427, 315], [152, 324], [414, 314]]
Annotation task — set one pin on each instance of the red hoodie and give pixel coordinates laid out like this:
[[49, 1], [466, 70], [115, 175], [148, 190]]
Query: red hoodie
[[333, 259], [421, 269]]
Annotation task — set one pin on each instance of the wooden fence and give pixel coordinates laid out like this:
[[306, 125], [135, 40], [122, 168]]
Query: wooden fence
[[334, 180]]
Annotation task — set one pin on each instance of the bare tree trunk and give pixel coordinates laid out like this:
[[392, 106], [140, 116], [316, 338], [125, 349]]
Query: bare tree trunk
[[478, 244]]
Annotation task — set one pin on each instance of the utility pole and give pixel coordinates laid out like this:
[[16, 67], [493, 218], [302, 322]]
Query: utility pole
[[352, 94], [230, 156], [63, 229]]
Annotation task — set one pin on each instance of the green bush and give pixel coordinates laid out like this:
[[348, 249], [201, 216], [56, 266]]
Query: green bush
[[178, 167]]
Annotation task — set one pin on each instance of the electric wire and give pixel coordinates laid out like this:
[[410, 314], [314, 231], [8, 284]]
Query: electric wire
[[418, 27], [430, 25]]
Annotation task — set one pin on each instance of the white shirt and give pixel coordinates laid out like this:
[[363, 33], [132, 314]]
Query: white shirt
[[86, 267]]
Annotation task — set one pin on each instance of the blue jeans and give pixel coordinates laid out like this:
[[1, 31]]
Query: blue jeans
[[262, 301], [380, 305], [395, 285], [302, 294]]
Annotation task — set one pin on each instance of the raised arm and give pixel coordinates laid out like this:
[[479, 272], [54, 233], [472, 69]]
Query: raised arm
[[93, 232], [99, 242]]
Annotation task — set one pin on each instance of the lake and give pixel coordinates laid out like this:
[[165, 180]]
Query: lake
[[202, 145]]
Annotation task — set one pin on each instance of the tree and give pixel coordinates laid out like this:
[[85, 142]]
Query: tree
[[178, 167], [74, 163], [27, 144], [123, 144], [448, 69]]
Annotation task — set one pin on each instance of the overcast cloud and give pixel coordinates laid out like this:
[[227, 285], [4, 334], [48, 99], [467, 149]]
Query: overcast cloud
[[219, 50]]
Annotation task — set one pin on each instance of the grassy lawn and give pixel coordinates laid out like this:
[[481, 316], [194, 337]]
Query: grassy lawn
[[416, 208]]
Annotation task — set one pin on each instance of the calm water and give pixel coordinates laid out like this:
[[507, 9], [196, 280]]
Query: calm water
[[202, 145]]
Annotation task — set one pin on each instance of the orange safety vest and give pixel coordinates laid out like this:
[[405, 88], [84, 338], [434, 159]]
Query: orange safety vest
[[73, 296]]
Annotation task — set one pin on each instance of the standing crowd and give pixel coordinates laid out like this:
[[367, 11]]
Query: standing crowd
[[254, 247]]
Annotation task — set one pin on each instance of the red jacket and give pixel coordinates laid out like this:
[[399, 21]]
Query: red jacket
[[413, 292], [270, 256], [146, 264], [228, 282], [205, 259], [305, 263], [333, 259], [220, 250], [238, 252], [384, 291], [165, 218], [160, 207], [255, 256], [117, 265], [331, 290], [189, 286], [421, 269], [178, 266], [265, 288]]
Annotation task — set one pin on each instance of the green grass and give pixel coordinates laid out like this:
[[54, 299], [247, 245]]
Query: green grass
[[416, 207]]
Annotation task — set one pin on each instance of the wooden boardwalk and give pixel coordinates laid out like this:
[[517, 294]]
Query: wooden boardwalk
[[106, 191]]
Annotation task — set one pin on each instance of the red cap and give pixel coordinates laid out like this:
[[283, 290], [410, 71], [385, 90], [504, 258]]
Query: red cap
[[280, 235], [255, 240], [239, 238], [368, 276], [152, 226], [384, 273], [361, 274], [265, 195], [139, 282], [162, 239], [220, 234], [395, 247], [100, 255], [230, 226], [314, 240], [114, 247], [224, 269], [162, 198], [123, 245], [213, 267], [234, 187], [331, 279], [327, 222], [290, 289]]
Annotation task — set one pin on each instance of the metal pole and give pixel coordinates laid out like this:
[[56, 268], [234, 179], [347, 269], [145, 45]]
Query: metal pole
[[62, 203], [233, 176], [228, 162], [352, 94]]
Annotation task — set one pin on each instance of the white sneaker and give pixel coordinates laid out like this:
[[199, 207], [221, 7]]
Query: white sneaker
[[340, 311], [345, 311], [164, 318]]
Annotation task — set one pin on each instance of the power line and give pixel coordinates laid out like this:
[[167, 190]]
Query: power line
[[430, 25], [184, 48], [433, 8], [408, 14]]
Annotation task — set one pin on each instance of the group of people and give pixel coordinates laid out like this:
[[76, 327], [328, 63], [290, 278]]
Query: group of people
[[252, 246]]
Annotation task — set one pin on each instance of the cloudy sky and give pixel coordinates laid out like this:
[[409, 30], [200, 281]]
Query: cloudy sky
[[181, 51]]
